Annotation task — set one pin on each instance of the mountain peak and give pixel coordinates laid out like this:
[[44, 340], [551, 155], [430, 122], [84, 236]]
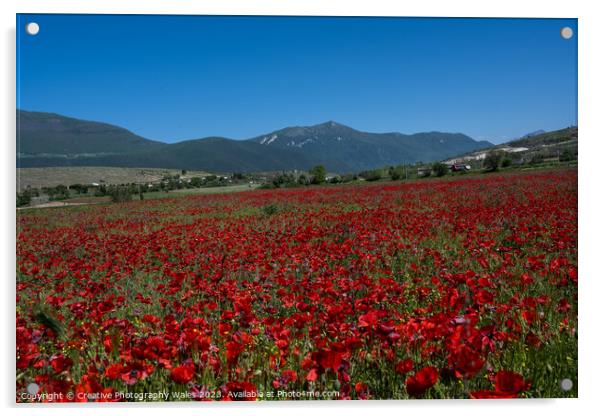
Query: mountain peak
[[331, 124], [53, 140]]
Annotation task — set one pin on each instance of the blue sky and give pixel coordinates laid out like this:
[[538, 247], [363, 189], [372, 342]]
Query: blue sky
[[171, 78]]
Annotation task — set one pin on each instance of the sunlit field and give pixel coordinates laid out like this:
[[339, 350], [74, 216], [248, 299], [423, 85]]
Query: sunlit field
[[464, 287]]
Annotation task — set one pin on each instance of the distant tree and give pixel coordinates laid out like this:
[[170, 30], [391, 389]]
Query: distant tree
[[196, 182], [79, 188], [120, 193], [371, 175], [238, 176], [318, 174], [303, 179], [506, 162], [57, 193], [348, 177], [23, 198], [284, 180], [184, 172], [396, 172], [493, 161], [566, 156], [536, 159], [439, 169]]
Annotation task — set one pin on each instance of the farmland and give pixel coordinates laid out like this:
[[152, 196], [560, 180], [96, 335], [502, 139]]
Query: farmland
[[53, 176], [464, 287]]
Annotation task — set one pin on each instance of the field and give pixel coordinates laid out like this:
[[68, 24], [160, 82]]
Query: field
[[54, 176], [454, 288]]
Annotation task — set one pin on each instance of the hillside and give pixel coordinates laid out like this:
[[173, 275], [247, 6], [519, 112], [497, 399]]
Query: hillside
[[46, 140], [53, 134], [543, 146]]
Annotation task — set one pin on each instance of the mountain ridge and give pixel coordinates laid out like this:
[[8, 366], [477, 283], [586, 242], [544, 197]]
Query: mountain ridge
[[49, 139]]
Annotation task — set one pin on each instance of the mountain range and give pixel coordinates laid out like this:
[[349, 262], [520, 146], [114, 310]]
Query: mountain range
[[46, 140]]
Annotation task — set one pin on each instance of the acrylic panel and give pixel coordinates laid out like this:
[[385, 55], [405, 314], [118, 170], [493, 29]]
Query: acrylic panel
[[295, 208]]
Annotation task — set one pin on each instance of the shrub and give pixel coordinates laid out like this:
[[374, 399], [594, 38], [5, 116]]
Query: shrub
[[269, 209], [439, 169], [371, 175], [303, 180], [567, 155], [318, 174], [284, 180], [493, 161], [23, 198], [120, 193], [536, 159], [396, 173]]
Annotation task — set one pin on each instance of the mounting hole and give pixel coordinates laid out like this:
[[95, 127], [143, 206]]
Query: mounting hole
[[566, 384], [32, 28], [566, 32]]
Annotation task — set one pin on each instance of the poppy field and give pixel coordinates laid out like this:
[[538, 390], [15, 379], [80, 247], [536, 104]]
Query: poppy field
[[464, 287]]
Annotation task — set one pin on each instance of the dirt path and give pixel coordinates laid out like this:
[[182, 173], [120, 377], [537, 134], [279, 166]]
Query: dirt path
[[56, 204]]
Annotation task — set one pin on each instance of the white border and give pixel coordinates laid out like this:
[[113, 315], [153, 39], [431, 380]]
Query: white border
[[590, 166]]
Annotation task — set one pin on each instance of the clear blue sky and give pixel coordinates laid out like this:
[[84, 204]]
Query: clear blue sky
[[182, 77]]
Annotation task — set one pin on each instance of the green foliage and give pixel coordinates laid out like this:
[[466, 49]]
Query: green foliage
[[238, 176], [79, 188], [270, 209], [493, 161], [285, 180], [567, 155], [396, 172], [371, 175], [120, 193], [23, 199], [44, 316], [349, 177], [303, 179], [536, 159], [318, 174], [197, 182], [439, 169]]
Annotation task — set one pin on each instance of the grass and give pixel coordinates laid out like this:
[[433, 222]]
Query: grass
[[54, 176]]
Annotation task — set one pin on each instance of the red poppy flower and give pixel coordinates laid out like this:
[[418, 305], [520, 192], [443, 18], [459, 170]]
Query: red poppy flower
[[60, 363], [327, 358], [510, 382], [424, 379], [404, 366], [183, 374], [312, 375], [490, 394], [114, 371], [239, 391]]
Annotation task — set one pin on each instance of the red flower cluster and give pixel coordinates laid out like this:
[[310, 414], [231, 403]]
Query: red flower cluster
[[423, 380], [385, 290], [507, 384]]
